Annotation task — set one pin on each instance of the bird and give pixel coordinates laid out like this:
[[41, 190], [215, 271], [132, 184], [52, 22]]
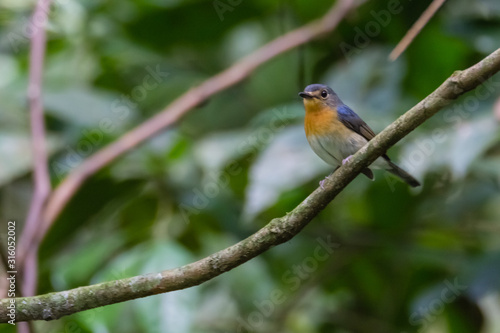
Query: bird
[[335, 132]]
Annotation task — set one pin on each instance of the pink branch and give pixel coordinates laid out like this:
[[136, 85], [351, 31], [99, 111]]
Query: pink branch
[[41, 177], [415, 29]]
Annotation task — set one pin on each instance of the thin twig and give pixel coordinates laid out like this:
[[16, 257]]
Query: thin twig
[[41, 175], [279, 230], [415, 29], [183, 104]]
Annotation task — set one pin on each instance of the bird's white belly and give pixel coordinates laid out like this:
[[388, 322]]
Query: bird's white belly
[[333, 149]]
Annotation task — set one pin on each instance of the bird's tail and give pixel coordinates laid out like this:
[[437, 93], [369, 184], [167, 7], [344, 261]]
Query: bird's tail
[[395, 170]]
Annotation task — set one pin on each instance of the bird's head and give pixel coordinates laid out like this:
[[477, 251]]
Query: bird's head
[[318, 97]]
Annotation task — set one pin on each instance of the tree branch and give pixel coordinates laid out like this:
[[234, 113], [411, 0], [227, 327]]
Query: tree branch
[[279, 230], [41, 175], [192, 98], [415, 29]]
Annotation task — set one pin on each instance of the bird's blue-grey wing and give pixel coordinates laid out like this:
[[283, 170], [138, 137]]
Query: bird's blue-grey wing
[[352, 121]]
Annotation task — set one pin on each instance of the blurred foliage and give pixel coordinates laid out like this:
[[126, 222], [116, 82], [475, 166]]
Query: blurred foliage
[[403, 261]]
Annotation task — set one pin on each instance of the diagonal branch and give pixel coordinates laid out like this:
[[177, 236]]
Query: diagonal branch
[[415, 29], [234, 74], [279, 230]]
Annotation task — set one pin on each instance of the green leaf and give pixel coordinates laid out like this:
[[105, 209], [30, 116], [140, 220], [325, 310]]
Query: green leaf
[[15, 154], [84, 107], [288, 162]]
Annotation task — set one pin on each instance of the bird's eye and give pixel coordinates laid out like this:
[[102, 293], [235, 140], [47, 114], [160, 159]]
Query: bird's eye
[[324, 94]]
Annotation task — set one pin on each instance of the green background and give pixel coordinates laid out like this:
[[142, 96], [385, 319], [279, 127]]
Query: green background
[[424, 260]]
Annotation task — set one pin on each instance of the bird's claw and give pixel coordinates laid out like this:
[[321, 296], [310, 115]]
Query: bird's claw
[[322, 182], [346, 160]]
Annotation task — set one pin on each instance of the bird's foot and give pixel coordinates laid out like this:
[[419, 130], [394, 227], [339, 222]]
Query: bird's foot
[[322, 182], [346, 160]]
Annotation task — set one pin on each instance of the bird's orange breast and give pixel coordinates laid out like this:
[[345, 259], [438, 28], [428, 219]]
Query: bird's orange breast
[[321, 120]]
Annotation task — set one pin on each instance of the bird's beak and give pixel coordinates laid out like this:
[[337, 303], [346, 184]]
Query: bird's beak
[[305, 95]]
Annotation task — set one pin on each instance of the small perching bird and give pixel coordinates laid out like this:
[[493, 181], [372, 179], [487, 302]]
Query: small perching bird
[[335, 132]]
